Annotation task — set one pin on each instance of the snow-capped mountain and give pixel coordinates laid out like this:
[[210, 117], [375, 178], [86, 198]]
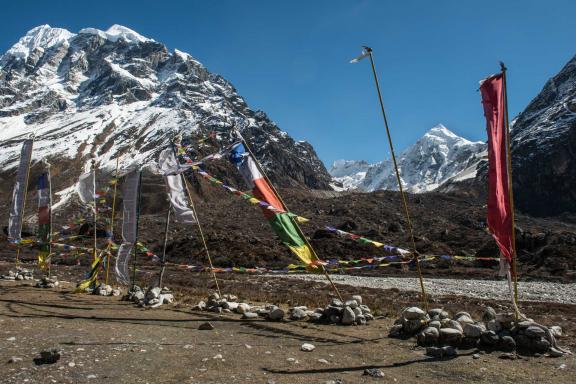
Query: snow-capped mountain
[[116, 93], [436, 157]]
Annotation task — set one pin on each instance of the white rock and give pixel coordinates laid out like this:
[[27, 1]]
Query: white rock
[[413, 313], [306, 347]]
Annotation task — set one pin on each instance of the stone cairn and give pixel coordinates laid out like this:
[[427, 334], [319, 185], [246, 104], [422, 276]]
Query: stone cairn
[[47, 282], [103, 289], [20, 274], [352, 312], [153, 297], [442, 334]]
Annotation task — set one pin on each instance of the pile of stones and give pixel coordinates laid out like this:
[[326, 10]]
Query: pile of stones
[[20, 274], [352, 312], [153, 297], [106, 290], [47, 282], [442, 334]]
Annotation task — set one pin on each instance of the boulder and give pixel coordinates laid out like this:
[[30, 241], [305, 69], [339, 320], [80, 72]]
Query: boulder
[[276, 314], [464, 319], [249, 315], [428, 336], [450, 336], [556, 331], [231, 305], [493, 325], [395, 331], [410, 327], [348, 316], [361, 320], [473, 330], [351, 303], [242, 308], [413, 313], [315, 317], [358, 299], [489, 314], [489, 338], [337, 303], [453, 324], [436, 324], [534, 332], [297, 314], [507, 344]]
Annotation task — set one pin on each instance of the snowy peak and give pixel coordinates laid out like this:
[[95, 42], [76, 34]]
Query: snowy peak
[[437, 156], [39, 38], [117, 32]]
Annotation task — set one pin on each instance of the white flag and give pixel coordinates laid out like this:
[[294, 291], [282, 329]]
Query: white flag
[[365, 53], [16, 216], [182, 213], [86, 188]]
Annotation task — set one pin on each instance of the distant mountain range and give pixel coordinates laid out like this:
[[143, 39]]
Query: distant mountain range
[[437, 157]]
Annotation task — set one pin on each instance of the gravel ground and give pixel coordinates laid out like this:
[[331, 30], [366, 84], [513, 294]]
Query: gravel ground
[[483, 289]]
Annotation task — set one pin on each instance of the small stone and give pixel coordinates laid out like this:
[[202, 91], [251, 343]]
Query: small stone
[[217, 356], [242, 308], [508, 356], [323, 361], [358, 299], [464, 319], [336, 303], [249, 315], [91, 376], [434, 352], [494, 326], [14, 360], [315, 317], [276, 314], [556, 331], [435, 324], [475, 356], [553, 352], [454, 325], [373, 372], [71, 364], [206, 326], [307, 347], [297, 314], [449, 351]]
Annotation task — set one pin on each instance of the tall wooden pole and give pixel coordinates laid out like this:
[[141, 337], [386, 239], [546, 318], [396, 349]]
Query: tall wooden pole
[[163, 261], [400, 187], [510, 191], [24, 201], [135, 250], [49, 218], [112, 219], [285, 207], [95, 212]]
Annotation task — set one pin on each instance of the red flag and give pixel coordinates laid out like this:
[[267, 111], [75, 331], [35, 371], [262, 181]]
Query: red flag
[[499, 205]]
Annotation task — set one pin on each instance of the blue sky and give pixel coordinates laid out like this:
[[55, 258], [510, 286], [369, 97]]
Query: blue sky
[[290, 58]]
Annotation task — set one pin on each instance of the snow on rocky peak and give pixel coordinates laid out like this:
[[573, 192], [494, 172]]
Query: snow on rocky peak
[[435, 158], [117, 32], [39, 38], [116, 94]]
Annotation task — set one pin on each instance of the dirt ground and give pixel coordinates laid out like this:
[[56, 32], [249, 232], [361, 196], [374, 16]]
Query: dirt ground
[[109, 341]]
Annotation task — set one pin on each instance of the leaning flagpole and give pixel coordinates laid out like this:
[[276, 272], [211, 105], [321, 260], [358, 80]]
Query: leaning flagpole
[[49, 218], [111, 235], [135, 248], [163, 261], [24, 201], [95, 212], [511, 194], [261, 169], [368, 53]]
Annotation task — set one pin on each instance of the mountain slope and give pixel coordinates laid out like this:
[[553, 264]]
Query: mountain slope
[[435, 158], [116, 93]]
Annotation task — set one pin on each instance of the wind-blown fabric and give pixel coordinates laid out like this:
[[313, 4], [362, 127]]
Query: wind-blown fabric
[[182, 213], [129, 225], [44, 208], [86, 188], [279, 219], [499, 205], [16, 216]]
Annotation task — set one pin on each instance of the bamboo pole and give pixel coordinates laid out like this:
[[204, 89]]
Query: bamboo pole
[[24, 201], [139, 198], [112, 219], [49, 219], [95, 210], [163, 262], [510, 191], [201, 234], [285, 207], [400, 188]]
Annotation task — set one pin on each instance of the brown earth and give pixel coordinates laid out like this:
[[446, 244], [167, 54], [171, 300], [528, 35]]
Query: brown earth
[[120, 343]]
